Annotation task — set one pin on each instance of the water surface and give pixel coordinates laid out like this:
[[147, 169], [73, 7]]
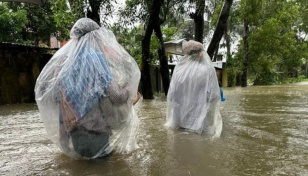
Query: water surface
[[265, 133]]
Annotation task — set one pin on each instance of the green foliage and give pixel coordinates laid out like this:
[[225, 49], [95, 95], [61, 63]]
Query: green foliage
[[12, 23], [186, 29], [251, 10], [63, 17], [216, 14], [130, 39], [136, 11], [233, 67], [169, 33], [278, 48], [40, 22], [275, 50], [32, 24], [302, 5]]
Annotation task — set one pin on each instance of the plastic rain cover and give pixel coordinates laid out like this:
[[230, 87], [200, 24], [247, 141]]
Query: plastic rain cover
[[193, 97], [84, 94]]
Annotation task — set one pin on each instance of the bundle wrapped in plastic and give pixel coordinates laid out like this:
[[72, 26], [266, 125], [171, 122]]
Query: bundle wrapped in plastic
[[193, 98], [84, 94]]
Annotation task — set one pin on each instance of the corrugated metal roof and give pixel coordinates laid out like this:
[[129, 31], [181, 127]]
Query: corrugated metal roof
[[175, 41], [23, 45], [37, 2]]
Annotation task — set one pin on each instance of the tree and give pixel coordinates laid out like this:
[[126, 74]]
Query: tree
[[126, 37], [278, 56], [153, 14], [302, 24], [197, 16], [12, 23], [97, 10], [249, 14], [221, 27], [275, 50], [28, 23], [154, 19], [64, 19]]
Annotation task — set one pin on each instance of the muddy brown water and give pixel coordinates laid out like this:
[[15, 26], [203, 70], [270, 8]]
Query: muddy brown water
[[265, 133]]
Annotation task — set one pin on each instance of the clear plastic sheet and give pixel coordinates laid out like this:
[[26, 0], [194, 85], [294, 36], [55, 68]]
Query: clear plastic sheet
[[193, 98], [84, 94]]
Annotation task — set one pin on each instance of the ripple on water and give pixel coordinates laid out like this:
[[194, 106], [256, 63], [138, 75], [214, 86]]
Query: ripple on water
[[264, 133]]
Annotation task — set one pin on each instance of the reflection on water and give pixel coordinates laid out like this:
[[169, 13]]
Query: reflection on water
[[265, 133]]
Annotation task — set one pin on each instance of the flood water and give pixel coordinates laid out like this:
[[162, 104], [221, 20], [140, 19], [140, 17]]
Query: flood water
[[265, 133]]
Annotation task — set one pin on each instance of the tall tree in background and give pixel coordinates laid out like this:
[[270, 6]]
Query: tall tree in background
[[12, 23], [245, 53], [97, 10], [303, 30], [77, 8], [153, 13], [93, 10], [154, 24], [273, 43], [64, 19], [221, 27], [30, 24], [249, 14], [275, 49], [198, 18]]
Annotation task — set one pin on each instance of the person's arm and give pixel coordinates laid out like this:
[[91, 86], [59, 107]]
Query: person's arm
[[213, 91], [136, 98], [117, 94]]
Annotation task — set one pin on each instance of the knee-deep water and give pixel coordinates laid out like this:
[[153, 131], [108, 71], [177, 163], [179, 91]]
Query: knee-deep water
[[265, 132]]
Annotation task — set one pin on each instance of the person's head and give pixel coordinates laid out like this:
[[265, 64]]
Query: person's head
[[193, 48], [83, 26], [195, 51]]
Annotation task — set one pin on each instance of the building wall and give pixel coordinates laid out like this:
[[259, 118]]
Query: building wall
[[54, 43], [20, 66]]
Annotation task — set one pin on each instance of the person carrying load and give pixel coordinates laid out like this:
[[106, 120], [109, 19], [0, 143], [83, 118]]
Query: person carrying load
[[193, 97], [85, 94]]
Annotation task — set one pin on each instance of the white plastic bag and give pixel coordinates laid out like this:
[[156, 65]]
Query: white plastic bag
[[193, 97], [84, 94]]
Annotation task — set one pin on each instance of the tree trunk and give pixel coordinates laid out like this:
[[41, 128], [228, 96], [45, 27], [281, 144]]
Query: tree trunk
[[307, 69], [95, 10], [146, 84], [227, 38], [163, 60], [146, 42], [214, 58], [238, 79], [246, 57], [199, 20], [220, 27], [153, 24]]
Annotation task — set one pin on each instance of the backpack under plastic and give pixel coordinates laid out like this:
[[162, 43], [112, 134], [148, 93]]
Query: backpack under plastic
[[193, 98], [84, 94]]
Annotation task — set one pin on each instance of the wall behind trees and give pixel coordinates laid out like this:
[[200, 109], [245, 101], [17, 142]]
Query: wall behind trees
[[20, 65]]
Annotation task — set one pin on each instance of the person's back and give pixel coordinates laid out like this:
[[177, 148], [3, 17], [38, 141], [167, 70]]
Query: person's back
[[85, 93], [193, 96]]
